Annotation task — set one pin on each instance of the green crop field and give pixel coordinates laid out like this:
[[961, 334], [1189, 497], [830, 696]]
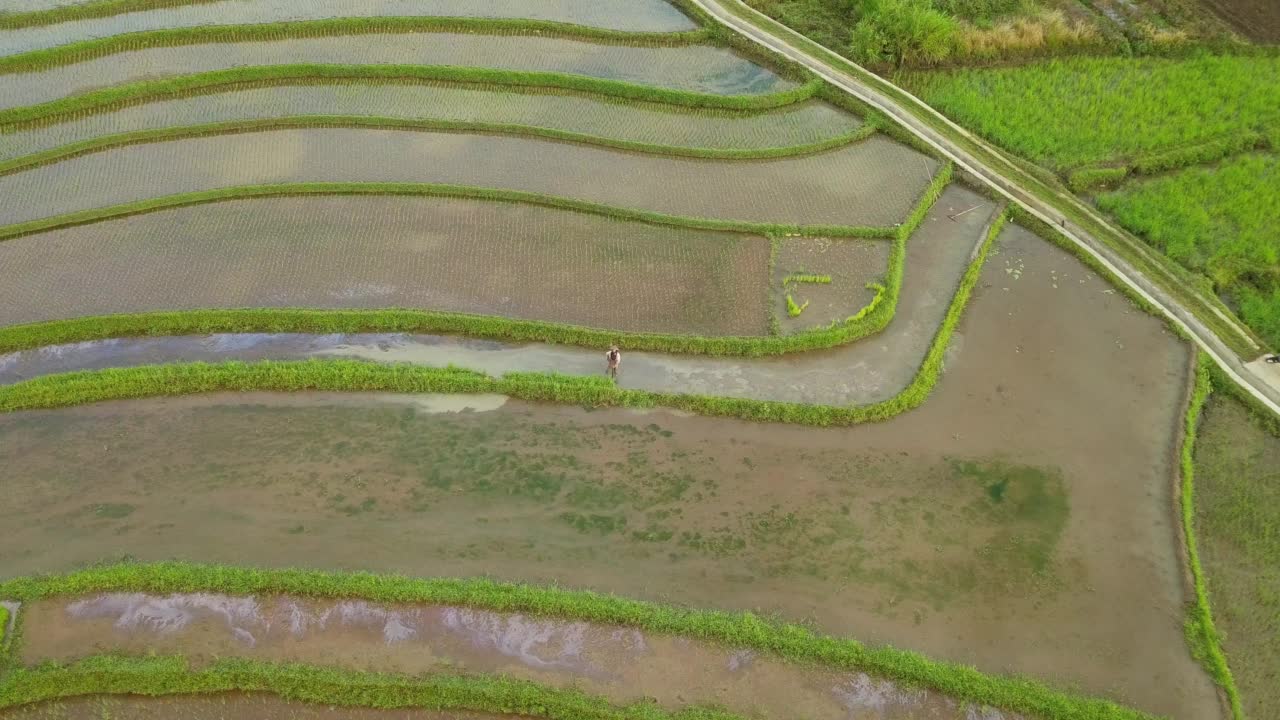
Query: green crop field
[[1220, 220], [309, 398]]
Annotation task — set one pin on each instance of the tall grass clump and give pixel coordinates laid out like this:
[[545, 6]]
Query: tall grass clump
[[793, 643], [1081, 111], [1202, 635], [1219, 221]]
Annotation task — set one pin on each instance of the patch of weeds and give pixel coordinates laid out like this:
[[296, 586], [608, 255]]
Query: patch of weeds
[[113, 511], [653, 533], [593, 524]]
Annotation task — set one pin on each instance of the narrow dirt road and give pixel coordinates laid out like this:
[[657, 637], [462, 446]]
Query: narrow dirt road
[[1003, 180]]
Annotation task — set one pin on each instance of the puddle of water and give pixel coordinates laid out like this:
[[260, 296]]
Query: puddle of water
[[623, 664], [697, 68], [637, 15]]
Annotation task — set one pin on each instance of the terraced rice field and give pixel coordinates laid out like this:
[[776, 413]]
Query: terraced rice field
[[634, 15], [800, 124], [432, 253], [697, 68], [1011, 513], [846, 186]]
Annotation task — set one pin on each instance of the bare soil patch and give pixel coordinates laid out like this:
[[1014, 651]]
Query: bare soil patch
[[377, 252], [1258, 20]]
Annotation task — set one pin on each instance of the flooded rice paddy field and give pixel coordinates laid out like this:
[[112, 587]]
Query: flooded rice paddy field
[[469, 256], [636, 15], [220, 706], [875, 182], [800, 124], [699, 68], [1237, 497], [870, 370], [1020, 520], [622, 664]]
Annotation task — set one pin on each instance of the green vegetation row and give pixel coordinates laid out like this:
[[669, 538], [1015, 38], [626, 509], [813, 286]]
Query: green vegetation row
[[869, 320], [1089, 178], [1203, 637], [114, 98], [736, 630], [244, 192], [1217, 221], [110, 142], [85, 50], [173, 675], [1085, 111], [1171, 278]]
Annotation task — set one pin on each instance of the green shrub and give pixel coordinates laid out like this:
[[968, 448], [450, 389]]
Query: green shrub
[[1090, 178], [902, 32]]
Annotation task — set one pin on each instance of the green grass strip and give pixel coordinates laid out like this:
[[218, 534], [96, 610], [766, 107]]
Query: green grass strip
[[1094, 176], [109, 142], [85, 50], [242, 192], [737, 630], [114, 98], [172, 675], [1203, 637], [85, 11]]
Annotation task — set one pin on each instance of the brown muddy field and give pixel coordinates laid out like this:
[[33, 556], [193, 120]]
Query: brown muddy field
[[623, 664], [1258, 20], [1019, 521], [229, 706], [467, 256]]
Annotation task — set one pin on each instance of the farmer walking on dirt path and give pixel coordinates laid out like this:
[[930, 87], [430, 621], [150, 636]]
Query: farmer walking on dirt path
[[614, 359]]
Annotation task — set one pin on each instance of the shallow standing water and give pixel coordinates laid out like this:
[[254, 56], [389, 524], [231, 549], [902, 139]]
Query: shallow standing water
[[1076, 578]]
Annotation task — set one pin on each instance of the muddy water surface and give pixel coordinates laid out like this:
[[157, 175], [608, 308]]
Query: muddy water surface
[[637, 15], [221, 706], [1019, 521], [624, 664], [696, 68], [875, 182]]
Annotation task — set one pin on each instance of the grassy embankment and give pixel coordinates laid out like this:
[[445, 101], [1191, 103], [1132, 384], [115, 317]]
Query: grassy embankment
[[1235, 516], [737, 630], [1100, 121], [181, 379]]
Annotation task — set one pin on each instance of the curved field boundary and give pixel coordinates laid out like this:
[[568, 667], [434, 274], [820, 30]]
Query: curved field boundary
[[170, 675], [869, 320], [1090, 177], [793, 643], [85, 50], [107, 8], [1203, 637], [84, 387], [109, 142], [111, 98], [84, 217]]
